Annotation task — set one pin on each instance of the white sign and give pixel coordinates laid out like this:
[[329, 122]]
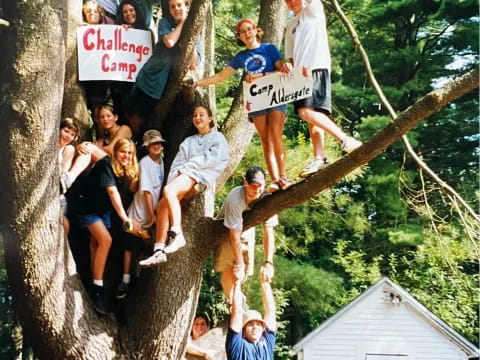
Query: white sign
[[277, 89], [111, 52]]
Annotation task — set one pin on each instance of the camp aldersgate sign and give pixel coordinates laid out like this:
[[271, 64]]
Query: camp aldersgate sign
[[111, 52], [277, 89]]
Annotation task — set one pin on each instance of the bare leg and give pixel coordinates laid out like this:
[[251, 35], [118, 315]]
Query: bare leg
[[261, 125], [127, 261], [66, 225], [318, 137], [84, 159], [276, 122], [101, 246], [228, 280], [321, 120], [174, 193], [163, 222]]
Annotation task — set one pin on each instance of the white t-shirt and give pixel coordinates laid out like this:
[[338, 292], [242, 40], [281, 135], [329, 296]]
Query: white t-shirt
[[151, 179], [306, 40]]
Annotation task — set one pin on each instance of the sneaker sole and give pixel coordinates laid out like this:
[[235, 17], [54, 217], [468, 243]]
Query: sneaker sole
[[169, 251], [151, 265]]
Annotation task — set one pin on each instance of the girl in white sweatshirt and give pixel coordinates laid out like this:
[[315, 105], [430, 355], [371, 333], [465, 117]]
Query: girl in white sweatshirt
[[200, 160]]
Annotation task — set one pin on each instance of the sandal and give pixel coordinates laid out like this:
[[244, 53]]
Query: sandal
[[284, 182]]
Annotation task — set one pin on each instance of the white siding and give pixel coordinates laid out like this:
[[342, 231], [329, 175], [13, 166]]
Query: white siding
[[375, 327]]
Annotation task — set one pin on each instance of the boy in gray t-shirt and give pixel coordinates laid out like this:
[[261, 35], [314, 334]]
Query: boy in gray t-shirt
[[230, 255]]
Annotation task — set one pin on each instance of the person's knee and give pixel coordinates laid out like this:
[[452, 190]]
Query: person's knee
[[105, 241], [305, 113], [168, 192]]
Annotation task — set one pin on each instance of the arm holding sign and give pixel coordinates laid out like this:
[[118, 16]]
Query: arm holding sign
[[224, 74], [287, 66]]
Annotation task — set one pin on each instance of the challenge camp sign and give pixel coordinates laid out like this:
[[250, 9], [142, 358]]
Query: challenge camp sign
[[277, 89], [111, 52]]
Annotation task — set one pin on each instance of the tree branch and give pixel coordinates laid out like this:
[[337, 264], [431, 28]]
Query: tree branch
[[356, 40], [303, 191], [186, 44]]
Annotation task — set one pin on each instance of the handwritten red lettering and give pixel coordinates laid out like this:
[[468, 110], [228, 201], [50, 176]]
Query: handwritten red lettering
[[86, 44]]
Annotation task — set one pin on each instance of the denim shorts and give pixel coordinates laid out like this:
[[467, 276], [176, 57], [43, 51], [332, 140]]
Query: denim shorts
[[282, 108], [84, 220]]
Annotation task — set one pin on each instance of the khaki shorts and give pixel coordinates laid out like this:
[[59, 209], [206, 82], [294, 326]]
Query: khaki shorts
[[223, 255]]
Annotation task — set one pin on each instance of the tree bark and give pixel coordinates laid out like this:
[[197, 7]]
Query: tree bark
[[74, 104], [48, 297]]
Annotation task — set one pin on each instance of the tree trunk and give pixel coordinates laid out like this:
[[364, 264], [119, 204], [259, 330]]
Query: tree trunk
[[48, 296], [74, 95]]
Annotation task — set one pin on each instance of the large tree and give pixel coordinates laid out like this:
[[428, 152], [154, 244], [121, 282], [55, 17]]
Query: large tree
[[49, 298]]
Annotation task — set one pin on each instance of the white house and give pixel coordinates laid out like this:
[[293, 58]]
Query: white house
[[384, 323]]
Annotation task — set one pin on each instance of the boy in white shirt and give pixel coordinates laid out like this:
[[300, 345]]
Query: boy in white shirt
[[306, 44], [142, 209]]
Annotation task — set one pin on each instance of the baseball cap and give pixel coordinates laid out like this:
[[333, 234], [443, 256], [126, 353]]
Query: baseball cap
[[255, 174], [152, 136]]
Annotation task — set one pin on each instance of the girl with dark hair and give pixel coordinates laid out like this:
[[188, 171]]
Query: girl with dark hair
[[112, 131], [200, 327], [130, 17], [257, 60], [200, 160], [95, 91]]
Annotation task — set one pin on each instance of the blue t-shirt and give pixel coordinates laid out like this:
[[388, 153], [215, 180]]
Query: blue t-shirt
[[259, 60], [239, 348]]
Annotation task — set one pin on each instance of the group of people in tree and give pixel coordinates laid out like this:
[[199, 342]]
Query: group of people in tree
[[105, 187]]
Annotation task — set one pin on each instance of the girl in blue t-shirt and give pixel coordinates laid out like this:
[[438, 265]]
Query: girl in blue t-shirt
[[257, 60]]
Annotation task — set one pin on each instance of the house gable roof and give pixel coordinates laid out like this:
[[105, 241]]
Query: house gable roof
[[408, 300]]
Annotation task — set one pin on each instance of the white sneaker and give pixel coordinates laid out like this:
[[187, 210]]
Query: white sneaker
[[177, 241], [349, 144], [312, 167], [157, 258]]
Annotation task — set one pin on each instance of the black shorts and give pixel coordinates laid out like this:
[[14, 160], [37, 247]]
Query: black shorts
[[141, 103], [133, 243], [321, 99], [95, 92]]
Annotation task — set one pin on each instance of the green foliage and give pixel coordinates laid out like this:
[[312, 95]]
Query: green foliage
[[406, 234]]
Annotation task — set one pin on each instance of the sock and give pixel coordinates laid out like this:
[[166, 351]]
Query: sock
[[158, 246], [126, 278], [176, 230], [98, 282]]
